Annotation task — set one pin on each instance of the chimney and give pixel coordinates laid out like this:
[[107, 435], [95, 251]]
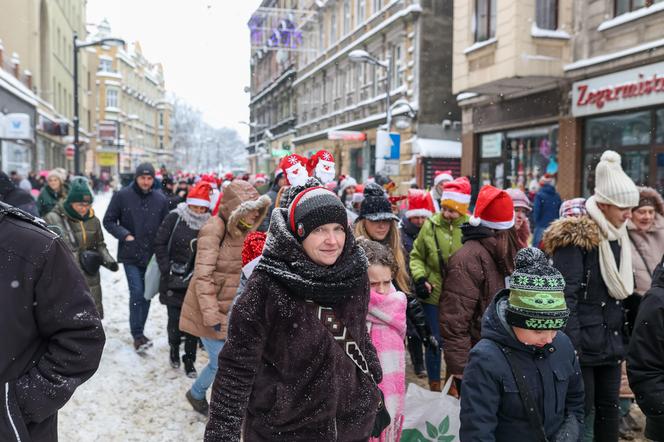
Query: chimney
[[16, 65]]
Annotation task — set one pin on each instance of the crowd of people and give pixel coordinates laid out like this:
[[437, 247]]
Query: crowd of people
[[308, 290]]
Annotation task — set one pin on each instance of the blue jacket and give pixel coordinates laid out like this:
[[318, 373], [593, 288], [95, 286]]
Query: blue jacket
[[491, 408], [133, 212], [546, 206]]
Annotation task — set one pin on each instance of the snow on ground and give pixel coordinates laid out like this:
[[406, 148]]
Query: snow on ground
[[131, 397]]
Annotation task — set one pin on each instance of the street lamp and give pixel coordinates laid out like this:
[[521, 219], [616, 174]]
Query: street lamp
[[406, 114], [76, 46]]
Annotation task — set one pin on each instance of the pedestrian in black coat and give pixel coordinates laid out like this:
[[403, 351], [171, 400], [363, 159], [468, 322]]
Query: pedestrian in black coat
[[180, 228], [133, 217], [281, 371], [523, 323], [52, 337], [14, 196], [645, 359]]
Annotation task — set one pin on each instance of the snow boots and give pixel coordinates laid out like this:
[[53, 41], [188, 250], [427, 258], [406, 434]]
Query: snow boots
[[189, 368], [175, 356], [199, 405], [142, 344]]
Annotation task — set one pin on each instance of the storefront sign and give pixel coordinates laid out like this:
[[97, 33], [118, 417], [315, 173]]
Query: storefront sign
[[346, 135], [108, 131], [280, 153], [17, 127], [638, 87], [491, 145], [107, 159]]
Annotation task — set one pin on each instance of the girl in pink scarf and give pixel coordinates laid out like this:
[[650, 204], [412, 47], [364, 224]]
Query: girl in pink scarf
[[386, 322]]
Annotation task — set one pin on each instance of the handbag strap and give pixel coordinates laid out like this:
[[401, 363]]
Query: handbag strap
[[342, 335], [441, 261], [170, 239], [643, 258], [529, 405]]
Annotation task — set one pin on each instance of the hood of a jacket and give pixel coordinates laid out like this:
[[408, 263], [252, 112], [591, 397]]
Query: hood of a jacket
[[239, 199], [411, 229], [475, 232], [285, 260], [649, 192], [496, 328], [580, 232]]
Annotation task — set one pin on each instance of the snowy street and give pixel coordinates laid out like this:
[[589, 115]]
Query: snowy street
[[131, 397]]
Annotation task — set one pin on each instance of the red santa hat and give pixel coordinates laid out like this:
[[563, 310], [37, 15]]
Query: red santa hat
[[199, 195], [325, 158], [442, 176], [456, 195], [228, 176], [211, 180], [494, 209], [260, 177], [291, 163], [418, 205]]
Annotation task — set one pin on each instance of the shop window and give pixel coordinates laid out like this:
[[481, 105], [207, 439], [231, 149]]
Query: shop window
[[659, 184], [546, 14], [660, 126], [619, 130], [485, 19], [634, 163], [623, 6]]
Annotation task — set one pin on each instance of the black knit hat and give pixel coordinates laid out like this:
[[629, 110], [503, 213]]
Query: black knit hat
[[291, 192], [376, 206], [313, 208], [536, 300], [144, 169]]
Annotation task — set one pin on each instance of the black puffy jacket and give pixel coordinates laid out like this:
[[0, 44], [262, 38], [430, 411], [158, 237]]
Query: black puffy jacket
[[596, 323], [14, 196], [645, 359]]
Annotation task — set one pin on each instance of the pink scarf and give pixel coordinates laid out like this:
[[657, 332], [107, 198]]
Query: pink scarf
[[386, 322]]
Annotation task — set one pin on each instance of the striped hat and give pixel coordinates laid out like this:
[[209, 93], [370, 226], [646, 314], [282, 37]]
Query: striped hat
[[456, 195], [494, 209], [313, 208]]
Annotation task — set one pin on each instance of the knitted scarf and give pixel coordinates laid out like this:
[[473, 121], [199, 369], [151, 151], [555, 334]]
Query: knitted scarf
[[386, 321], [285, 259], [194, 221], [620, 282]]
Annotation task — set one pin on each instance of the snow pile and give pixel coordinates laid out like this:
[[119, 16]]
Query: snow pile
[[131, 397]]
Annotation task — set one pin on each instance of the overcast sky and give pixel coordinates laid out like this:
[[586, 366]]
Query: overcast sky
[[202, 44]]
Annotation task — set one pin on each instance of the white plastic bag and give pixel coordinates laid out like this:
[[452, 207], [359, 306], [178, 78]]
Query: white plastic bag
[[152, 277], [431, 416]]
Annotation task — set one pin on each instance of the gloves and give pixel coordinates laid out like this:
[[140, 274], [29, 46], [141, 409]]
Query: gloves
[[569, 431], [217, 328], [112, 266], [421, 289]]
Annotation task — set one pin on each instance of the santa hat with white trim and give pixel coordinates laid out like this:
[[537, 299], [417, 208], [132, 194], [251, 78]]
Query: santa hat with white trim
[[417, 204], [199, 195], [294, 166], [442, 176], [494, 209], [323, 158], [456, 195]]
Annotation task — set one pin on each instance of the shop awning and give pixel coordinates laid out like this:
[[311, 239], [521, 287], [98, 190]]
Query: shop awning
[[432, 148]]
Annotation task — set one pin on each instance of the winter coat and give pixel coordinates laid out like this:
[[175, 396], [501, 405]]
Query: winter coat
[[52, 335], [219, 262], [546, 206], [180, 251], [386, 322], [645, 359], [648, 246], [474, 275], [80, 236], [409, 232], [491, 408], [133, 212], [48, 199], [12, 195], [424, 262], [173, 199], [595, 325], [281, 369]]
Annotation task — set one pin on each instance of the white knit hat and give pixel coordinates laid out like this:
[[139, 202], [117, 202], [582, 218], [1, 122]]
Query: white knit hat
[[612, 185]]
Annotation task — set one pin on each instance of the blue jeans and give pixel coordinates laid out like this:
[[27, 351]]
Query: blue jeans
[[138, 305], [432, 357], [206, 376]]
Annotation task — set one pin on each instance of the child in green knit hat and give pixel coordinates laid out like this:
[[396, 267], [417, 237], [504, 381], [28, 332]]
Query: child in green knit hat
[[523, 352]]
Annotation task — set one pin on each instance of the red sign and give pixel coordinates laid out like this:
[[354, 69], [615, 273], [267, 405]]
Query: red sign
[[69, 151], [108, 131], [346, 135]]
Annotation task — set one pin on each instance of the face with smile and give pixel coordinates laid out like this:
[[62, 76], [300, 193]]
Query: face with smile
[[450, 214], [643, 217], [325, 244], [378, 230], [536, 338], [54, 183]]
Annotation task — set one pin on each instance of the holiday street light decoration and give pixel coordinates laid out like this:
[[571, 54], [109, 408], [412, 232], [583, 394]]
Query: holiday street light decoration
[[280, 29]]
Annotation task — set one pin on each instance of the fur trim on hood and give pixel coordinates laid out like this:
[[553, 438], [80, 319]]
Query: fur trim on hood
[[240, 198], [649, 192], [580, 232]]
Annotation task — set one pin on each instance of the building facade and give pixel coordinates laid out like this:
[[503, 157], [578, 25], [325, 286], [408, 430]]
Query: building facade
[[132, 111]]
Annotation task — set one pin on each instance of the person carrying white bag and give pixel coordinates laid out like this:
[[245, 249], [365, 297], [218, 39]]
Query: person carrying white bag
[[523, 381], [431, 415]]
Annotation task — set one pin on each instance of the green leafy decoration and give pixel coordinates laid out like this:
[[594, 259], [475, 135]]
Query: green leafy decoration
[[444, 425], [432, 430], [445, 438], [413, 435]]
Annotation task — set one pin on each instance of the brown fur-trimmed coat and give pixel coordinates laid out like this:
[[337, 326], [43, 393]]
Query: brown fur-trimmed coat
[[596, 320], [219, 262]]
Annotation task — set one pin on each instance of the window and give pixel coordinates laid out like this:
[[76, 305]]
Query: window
[[111, 98], [359, 11], [546, 14], [105, 65], [397, 66], [333, 27], [485, 19], [377, 6], [632, 129], [346, 17], [623, 6], [161, 142], [161, 119]]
